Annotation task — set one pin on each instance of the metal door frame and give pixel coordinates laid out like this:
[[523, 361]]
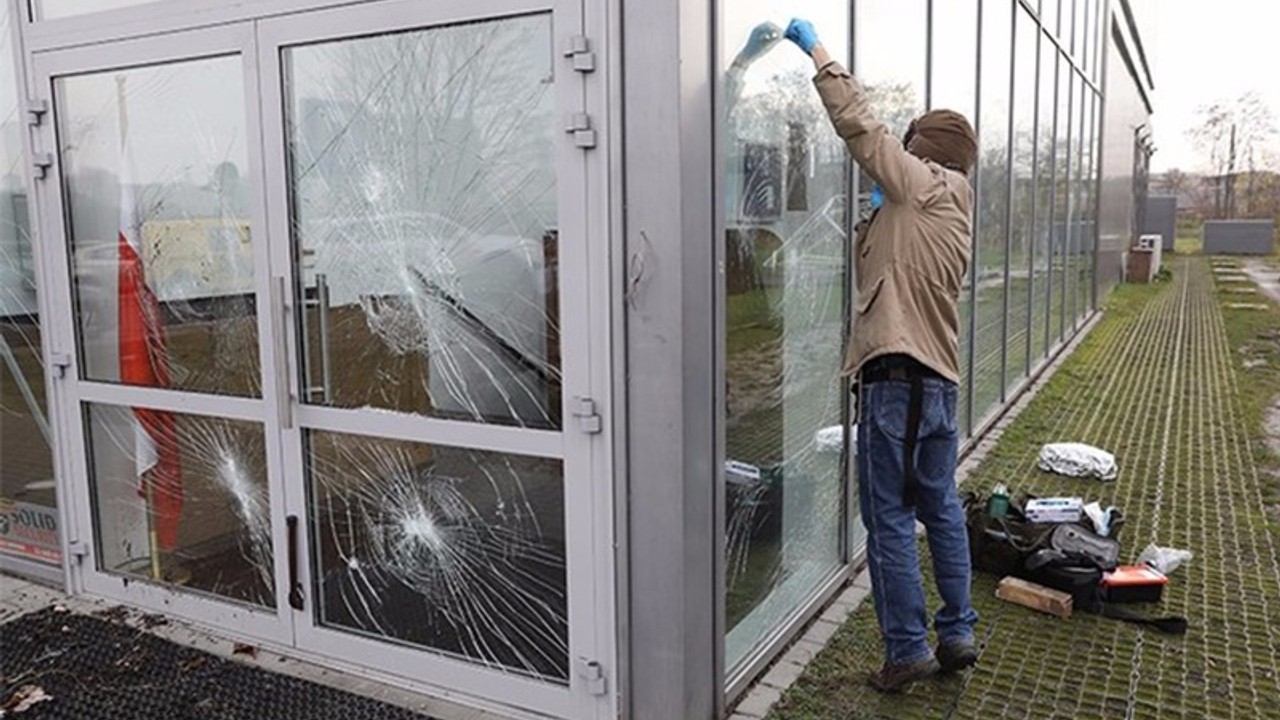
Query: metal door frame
[[572, 447], [72, 391]]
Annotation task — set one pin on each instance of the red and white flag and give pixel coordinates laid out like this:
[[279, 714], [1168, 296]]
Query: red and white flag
[[144, 360]]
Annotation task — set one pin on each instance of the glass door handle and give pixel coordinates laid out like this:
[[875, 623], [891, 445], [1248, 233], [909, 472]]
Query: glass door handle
[[295, 587]]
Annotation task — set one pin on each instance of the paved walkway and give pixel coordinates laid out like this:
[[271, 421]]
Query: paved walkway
[[1159, 383]]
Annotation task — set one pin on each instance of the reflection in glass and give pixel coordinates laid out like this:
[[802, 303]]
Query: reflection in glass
[[26, 459], [1062, 201], [953, 76], [460, 551], [155, 162], [1091, 201], [1076, 266], [1042, 277], [422, 170], [1022, 230], [953, 87], [182, 500], [892, 52], [993, 207], [785, 263]]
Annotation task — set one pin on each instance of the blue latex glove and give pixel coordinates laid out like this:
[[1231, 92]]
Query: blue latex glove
[[801, 33], [763, 37], [877, 196]]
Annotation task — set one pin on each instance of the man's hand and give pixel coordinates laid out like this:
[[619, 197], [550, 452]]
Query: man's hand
[[763, 37], [801, 33]]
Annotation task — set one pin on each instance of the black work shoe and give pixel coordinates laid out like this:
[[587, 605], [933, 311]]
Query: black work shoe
[[957, 655], [892, 678]]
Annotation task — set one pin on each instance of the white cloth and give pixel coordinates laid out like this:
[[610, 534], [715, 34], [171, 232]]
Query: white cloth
[[1078, 460], [831, 439]]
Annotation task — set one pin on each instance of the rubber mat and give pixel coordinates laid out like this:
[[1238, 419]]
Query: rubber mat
[[100, 669]]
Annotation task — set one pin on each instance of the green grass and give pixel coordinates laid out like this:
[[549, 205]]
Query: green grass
[[1160, 382], [1188, 238]]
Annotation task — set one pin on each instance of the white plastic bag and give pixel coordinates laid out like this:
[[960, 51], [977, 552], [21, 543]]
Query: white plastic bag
[[1078, 460], [1164, 559]]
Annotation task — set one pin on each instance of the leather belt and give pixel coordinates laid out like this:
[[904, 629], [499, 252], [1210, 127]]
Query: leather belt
[[902, 368]]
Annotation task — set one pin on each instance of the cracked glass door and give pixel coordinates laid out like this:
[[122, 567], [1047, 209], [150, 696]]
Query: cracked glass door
[[153, 192], [431, 193]]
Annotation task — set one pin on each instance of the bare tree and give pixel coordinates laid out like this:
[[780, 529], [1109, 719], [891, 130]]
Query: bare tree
[[1227, 132], [1174, 182]]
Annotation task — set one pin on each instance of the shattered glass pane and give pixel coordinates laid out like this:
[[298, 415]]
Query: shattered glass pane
[[785, 264], [155, 162], [182, 500], [424, 220], [28, 504], [460, 551]]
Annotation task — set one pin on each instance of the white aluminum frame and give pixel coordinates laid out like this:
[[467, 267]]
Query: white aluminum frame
[[71, 392], [99, 42]]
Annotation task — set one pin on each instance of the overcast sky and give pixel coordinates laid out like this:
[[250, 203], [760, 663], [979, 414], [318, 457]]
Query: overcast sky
[[1201, 53]]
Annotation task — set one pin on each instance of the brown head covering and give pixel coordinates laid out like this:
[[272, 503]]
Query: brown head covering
[[945, 137]]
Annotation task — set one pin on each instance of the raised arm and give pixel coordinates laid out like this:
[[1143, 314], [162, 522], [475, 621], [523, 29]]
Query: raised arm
[[762, 39], [902, 175]]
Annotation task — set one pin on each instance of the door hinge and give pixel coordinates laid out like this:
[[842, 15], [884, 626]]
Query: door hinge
[[579, 127], [42, 162], [36, 110], [78, 550], [592, 673], [588, 418], [579, 51], [61, 363]]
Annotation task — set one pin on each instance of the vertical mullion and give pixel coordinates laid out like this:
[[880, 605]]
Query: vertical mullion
[[1066, 240], [1053, 204], [975, 255], [1010, 147], [928, 55], [1035, 199]]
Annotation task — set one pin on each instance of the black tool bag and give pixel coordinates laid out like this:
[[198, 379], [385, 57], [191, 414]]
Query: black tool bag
[[1068, 557]]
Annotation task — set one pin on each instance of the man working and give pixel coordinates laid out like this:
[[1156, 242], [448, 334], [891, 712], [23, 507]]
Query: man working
[[911, 261]]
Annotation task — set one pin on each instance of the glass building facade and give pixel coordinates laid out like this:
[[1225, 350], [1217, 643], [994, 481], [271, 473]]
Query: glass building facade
[[441, 378], [1028, 76]]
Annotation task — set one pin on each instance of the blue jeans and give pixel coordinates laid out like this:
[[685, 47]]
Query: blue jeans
[[894, 565]]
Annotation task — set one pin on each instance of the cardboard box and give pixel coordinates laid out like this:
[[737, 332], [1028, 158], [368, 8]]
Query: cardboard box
[[1055, 510]]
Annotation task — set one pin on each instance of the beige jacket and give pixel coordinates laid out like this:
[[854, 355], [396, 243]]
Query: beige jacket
[[911, 260]]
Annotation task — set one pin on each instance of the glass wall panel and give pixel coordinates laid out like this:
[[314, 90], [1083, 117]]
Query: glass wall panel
[[1125, 112], [954, 73], [1049, 15], [459, 551], [1088, 212], [1062, 199], [1041, 276], [200, 518], [892, 54], [1077, 229], [993, 207], [1078, 30], [28, 505], [1021, 256], [953, 86], [785, 251], [423, 178], [52, 9], [155, 162]]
